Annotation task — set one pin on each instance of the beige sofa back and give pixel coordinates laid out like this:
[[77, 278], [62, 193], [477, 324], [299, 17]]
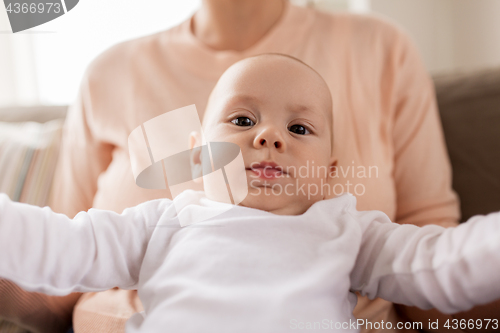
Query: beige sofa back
[[469, 106], [39, 114]]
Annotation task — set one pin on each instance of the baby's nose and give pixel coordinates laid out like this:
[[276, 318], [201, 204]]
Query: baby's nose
[[277, 144], [270, 138]]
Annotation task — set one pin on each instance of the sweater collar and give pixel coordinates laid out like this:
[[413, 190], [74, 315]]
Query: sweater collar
[[284, 37]]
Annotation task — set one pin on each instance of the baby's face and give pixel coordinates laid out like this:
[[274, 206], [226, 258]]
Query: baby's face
[[279, 112]]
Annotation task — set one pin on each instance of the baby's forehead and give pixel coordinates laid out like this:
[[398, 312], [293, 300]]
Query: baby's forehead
[[266, 76], [271, 75], [266, 65]]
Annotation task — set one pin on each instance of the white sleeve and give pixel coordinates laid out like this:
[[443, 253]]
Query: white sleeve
[[450, 269], [97, 250]]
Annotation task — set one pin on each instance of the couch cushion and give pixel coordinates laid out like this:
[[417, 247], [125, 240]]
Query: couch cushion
[[469, 106], [28, 156]]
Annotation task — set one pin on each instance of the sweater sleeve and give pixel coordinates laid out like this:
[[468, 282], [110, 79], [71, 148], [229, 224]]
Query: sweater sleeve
[[82, 158], [422, 170], [450, 269], [97, 250]]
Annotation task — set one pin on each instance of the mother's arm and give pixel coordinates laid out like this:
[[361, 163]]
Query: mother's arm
[[422, 169], [83, 156]]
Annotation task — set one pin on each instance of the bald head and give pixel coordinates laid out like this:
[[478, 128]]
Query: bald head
[[276, 80]]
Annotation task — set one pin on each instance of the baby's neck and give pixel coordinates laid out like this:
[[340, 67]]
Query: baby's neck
[[290, 209]]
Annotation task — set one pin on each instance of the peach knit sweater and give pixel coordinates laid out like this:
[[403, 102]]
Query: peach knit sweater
[[385, 123]]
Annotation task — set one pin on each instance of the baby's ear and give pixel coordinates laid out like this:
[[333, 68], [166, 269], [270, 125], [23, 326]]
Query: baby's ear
[[332, 166], [195, 157], [194, 139]]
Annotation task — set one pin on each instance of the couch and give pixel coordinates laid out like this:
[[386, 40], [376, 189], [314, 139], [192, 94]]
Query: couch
[[469, 106]]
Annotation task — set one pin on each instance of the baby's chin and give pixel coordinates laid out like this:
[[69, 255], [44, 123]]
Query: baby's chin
[[276, 204], [264, 198]]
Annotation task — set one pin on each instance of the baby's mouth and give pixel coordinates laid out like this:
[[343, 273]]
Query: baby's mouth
[[267, 170]]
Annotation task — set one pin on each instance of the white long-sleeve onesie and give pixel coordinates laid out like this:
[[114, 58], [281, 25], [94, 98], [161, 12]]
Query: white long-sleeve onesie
[[247, 270]]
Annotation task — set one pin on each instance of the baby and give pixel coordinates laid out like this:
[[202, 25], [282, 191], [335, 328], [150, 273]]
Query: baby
[[279, 261]]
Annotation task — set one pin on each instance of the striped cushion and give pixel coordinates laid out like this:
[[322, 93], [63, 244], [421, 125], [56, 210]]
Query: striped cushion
[[28, 156]]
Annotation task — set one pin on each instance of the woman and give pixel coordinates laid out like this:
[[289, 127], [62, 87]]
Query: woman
[[384, 110]]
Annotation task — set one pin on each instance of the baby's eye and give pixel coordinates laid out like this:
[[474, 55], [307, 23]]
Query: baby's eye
[[298, 129], [243, 121]]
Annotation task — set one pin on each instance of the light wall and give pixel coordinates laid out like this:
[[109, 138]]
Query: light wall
[[477, 33], [450, 34], [18, 82], [45, 64]]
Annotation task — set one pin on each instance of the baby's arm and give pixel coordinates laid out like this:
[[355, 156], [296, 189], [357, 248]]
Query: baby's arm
[[449, 269], [47, 252]]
